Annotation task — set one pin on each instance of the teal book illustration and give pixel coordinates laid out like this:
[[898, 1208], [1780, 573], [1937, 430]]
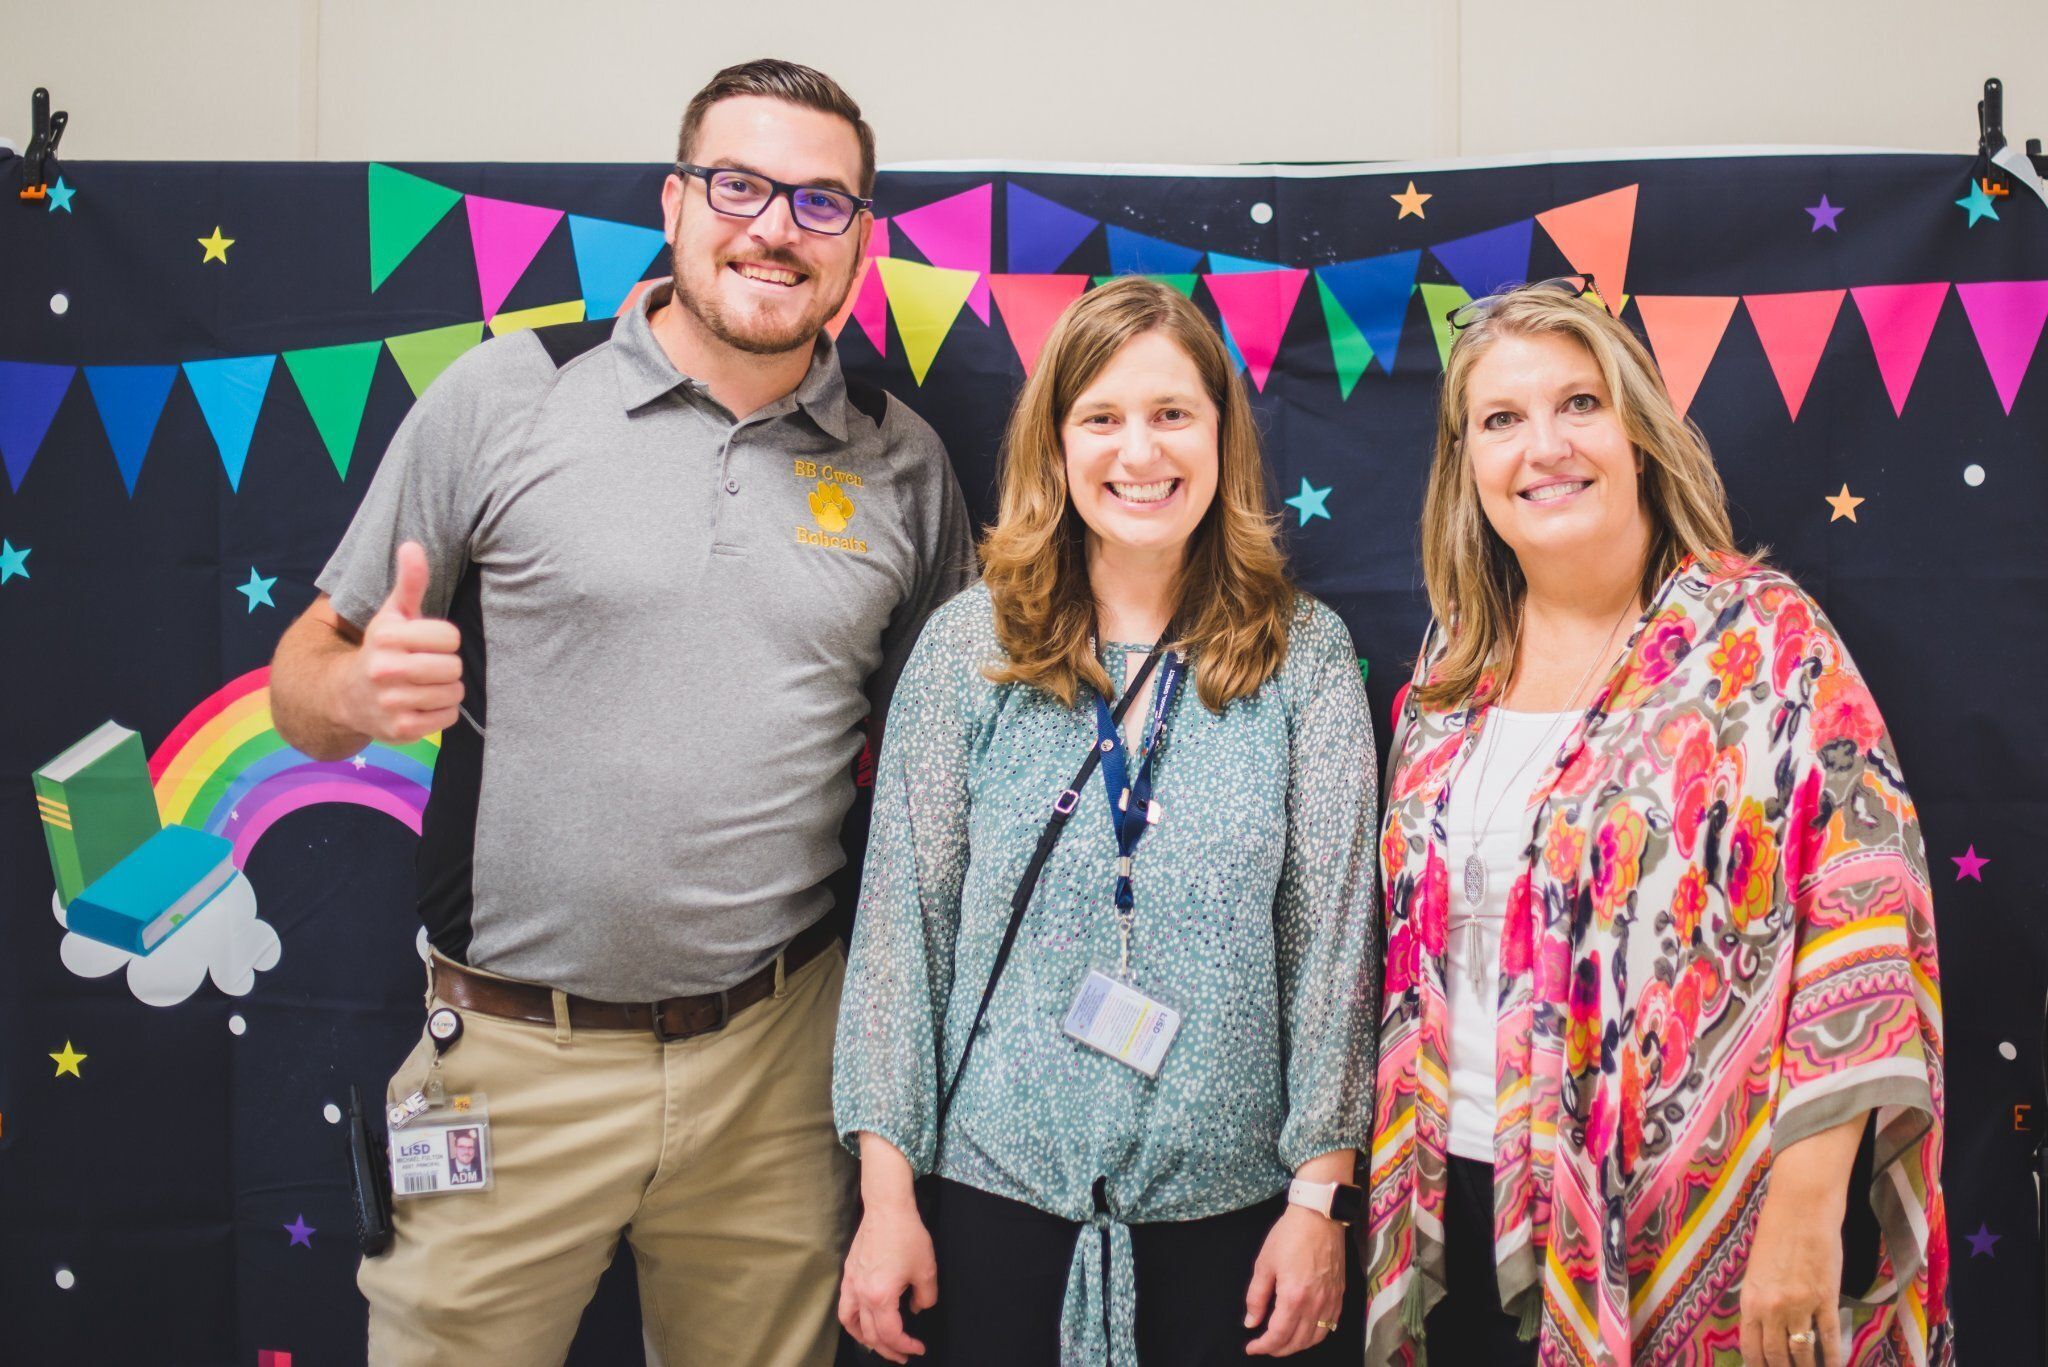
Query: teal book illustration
[[138, 903], [97, 806]]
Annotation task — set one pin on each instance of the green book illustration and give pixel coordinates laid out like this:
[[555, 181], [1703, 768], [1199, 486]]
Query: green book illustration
[[97, 806]]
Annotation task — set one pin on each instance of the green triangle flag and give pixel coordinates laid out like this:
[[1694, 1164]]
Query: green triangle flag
[[1438, 301], [403, 210], [335, 383], [1184, 283], [422, 356], [1348, 347]]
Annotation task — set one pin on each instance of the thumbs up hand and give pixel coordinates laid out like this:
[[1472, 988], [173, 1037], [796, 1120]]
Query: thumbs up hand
[[407, 680]]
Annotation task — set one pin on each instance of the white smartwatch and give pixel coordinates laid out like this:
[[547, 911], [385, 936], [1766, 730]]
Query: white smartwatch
[[1339, 1201]]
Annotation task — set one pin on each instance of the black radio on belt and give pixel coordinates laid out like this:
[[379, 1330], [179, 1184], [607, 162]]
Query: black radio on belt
[[369, 1176]]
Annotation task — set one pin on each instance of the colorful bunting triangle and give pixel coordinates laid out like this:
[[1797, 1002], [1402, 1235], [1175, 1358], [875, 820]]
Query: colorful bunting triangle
[[130, 399], [925, 300], [1136, 254], [403, 210], [1900, 319], [1794, 331], [609, 259], [1594, 235], [1440, 302], [1237, 265], [546, 315], [29, 395], [422, 356], [868, 304], [506, 238], [1484, 262], [953, 234], [1184, 283], [1042, 234], [632, 298], [1374, 294], [1685, 331], [230, 393], [1349, 351], [1255, 306], [2007, 316], [335, 383], [1031, 304]]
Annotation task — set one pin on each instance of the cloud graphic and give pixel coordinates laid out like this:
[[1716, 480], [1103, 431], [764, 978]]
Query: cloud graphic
[[224, 939]]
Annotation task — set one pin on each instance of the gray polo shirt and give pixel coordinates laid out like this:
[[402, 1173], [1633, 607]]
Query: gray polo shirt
[[675, 626]]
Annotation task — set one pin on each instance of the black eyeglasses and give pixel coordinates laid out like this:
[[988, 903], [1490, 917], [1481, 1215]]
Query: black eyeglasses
[[743, 194], [1465, 315]]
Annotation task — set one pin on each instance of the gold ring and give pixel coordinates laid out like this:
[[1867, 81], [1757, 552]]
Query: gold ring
[[1330, 1325], [1800, 1339]]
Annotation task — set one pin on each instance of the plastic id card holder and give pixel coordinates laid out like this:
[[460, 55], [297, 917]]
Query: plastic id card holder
[[440, 1148], [1119, 1020]]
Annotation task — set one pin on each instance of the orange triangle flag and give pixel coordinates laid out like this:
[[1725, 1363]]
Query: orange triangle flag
[[1794, 329], [1685, 331], [1594, 235], [1030, 305]]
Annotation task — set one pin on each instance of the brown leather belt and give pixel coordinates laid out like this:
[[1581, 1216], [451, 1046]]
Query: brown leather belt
[[671, 1019]]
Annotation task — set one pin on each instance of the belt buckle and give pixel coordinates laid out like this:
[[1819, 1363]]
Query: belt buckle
[[662, 1035]]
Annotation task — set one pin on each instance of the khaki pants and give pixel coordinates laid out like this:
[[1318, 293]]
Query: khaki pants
[[714, 1156]]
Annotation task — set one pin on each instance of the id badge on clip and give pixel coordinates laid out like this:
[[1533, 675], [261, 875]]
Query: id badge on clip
[[440, 1147], [1122, 1022]]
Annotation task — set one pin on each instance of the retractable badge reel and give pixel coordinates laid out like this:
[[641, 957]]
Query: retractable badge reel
[[440, 1143]]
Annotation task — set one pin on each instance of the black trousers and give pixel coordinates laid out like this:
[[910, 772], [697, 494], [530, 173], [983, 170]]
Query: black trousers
[[1468, 1325], [1003, 1280]]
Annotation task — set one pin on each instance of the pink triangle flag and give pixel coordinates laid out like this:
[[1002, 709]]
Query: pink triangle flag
[[1900, 319], [506, 238], [1794, 330], [1685, 330], [1256, 306], [954, 233], [868, 302], [2007, 316], [1594, 235], [1031, 304]]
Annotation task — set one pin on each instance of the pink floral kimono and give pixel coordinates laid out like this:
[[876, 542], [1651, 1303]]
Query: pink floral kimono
[[1723, 944]]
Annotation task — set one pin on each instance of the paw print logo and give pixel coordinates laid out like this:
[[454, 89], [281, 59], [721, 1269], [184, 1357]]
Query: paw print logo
[[831, 506]]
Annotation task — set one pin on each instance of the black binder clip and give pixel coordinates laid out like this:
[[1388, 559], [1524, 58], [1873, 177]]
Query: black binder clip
[[1988, 175], [45, 131]]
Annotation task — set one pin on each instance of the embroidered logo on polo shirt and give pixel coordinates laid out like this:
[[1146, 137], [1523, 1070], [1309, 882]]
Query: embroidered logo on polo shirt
[[832, 509]]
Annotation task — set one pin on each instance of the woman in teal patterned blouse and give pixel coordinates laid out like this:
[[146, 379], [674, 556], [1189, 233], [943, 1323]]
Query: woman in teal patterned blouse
[[1089, 1211]]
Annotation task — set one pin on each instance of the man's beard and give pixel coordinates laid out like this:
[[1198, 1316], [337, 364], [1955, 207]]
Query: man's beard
[[801, 333]]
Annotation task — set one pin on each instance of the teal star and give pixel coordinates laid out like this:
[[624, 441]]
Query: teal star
[[1979, 204], [60, 196], [12, 561], [257, 590], [1309, 502]]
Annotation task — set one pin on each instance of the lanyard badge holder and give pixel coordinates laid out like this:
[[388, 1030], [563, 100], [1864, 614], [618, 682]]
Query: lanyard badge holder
[[440, 1143]]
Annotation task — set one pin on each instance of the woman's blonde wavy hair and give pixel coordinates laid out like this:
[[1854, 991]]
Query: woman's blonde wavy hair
[[1234, 595], [1475, 583]]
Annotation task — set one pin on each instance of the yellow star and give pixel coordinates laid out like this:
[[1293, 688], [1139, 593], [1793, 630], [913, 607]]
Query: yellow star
[[216, 247], [1411, 203], [68, 1061], [1844, 505]]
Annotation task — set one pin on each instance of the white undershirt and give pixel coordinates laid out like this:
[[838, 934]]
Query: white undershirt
[[1505, 756]]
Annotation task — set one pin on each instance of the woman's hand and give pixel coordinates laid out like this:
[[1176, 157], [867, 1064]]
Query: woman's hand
[[891, 1254], [1793, 1284], [1300, 1277]]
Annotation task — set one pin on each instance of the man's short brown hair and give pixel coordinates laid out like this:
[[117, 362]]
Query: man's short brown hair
[[789, 82]]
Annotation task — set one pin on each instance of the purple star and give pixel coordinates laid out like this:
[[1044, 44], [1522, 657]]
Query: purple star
[[1970, 865], [1824, 215], [1982, 1240], [301, 1232]]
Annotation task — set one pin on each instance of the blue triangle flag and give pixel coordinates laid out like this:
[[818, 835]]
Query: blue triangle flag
[[1373, 293], [230, 393], [29, 395], [1136, 254], [1484, 262], [1042, 234], [131, 399], [610, 258], [1219, 264]]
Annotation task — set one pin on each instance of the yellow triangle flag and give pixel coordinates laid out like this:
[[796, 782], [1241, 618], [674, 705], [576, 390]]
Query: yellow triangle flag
[[521, 319], [925, 300]]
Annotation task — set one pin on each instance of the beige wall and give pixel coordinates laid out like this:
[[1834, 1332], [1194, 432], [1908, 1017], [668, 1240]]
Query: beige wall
[[1080, 80]]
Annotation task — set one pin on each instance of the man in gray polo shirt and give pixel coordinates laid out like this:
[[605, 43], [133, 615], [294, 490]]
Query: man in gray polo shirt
[[650, 581]]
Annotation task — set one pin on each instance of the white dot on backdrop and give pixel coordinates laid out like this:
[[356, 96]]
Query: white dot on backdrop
[[60, 303], [236, 1025], [332, 1112], [65, 1279], [1973, 475], [2006, 1051], [1262, 212]]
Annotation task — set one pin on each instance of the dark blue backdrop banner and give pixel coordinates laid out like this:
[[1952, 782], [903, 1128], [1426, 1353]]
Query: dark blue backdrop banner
[[197, 380]]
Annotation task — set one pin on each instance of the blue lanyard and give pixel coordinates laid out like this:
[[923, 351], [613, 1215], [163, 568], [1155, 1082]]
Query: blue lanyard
[[1130, 799]]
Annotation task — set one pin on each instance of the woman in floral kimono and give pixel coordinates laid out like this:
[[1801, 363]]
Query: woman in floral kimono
[[1660, 1056]]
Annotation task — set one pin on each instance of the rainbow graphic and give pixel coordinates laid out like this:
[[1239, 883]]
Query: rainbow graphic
[[224, 769]]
